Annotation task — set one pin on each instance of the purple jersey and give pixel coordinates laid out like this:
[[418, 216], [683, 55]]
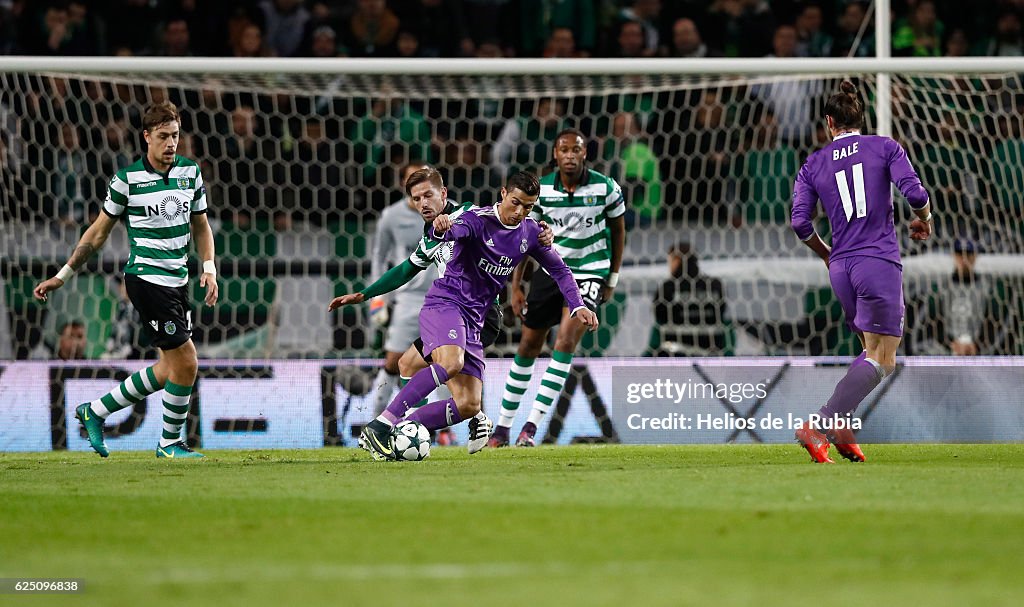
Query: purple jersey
[[852, 177], [485, 254]]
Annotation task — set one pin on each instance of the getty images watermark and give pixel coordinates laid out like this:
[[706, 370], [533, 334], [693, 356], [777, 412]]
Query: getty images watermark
[[691, 403], [671, 392]]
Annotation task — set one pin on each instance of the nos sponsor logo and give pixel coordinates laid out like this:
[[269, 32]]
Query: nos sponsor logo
[[169, 208], [573, 221]]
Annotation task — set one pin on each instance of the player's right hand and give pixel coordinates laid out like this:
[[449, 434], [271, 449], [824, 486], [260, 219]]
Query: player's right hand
[[379, 312], [442, 223], [46, 286], [518, 302], [588, 318], [920, 229], [345, 300]]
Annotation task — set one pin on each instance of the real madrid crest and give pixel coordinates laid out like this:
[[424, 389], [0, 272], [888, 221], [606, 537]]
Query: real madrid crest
[[523, 246]]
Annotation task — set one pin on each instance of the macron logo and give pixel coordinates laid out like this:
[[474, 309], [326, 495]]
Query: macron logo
[[490, 242]]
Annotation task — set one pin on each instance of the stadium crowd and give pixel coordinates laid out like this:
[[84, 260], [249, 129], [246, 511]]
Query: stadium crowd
[[502, 28]]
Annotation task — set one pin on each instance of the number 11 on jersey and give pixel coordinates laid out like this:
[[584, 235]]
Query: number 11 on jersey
[[858, 192]]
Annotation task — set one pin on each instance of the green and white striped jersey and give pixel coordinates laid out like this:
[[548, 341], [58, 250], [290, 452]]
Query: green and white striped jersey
[[430, 251], [156, 209], [579, 220]]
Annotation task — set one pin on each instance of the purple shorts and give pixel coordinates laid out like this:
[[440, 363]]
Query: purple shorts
[[870, 290], [444, 325]]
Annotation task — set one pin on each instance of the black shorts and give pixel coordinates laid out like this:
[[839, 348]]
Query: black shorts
[[544, 303], [489, 334], [166, 312]]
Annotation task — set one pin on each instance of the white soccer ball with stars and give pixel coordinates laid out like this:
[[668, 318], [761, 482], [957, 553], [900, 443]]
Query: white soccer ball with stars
[[411, 441]]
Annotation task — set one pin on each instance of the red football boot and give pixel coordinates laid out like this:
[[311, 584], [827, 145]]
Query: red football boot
[[816, 444], [846, 444]]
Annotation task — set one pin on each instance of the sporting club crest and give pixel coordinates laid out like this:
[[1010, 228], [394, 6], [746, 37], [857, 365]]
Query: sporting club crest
[[170, 328]]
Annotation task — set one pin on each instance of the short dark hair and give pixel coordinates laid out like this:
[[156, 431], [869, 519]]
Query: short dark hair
[[524, 182], [845, 107], [429, 174], [159, 113], [573, 131]]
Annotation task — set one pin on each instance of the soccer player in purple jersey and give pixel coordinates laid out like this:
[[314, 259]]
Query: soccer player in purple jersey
[[489, 242], [852, 177]]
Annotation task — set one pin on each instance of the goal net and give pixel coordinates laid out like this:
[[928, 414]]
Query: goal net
[[300, 166]]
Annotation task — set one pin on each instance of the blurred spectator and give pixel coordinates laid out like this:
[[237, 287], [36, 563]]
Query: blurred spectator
[[689, 310], [920, 34], [686, 41], [250, 43], [175, 39], [561, 45], [790, 100], [390, 131], [966, 314], [646, 13], [538, 18], [10, 13], [324, 42], [741, 28], [56, 34], [523, 142], [407, 45], [811, 41], [957, 44], [633, 164], [284, 22], [67, 177], [371, 30], [1007, 41], [847, 43], [439, 25], [631, 41], [71, 344], [769, 168]]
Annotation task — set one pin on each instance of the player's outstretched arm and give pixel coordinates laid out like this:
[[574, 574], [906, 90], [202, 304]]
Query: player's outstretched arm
[[91, 241], [562, 275], [391, 280], [203, 235]]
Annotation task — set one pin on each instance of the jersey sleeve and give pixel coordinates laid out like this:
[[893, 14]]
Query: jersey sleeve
[[804, 199], [425, 252], [199, 198], [551, 261], [903, 175], [117, 196], [614, 202]]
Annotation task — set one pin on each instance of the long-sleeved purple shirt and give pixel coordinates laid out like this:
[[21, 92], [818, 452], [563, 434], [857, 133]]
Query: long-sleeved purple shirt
[[485, 254], [852, 177]]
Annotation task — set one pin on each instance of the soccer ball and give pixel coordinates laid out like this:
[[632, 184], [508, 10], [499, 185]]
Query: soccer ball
[[411, 441]]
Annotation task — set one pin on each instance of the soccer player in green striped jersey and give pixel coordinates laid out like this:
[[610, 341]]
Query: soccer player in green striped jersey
[[585, 209], [162, 201]]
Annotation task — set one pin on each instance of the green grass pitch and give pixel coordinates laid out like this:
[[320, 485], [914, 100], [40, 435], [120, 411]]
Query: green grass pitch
[[601, 525]]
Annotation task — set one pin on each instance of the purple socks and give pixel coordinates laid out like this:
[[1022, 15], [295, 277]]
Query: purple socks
[[421, 385], [860, 380], [437, 415]]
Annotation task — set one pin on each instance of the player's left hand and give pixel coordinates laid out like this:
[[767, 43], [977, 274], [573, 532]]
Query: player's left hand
[[344, 300], [588, 318], [920, 229], [546, 237], [212, 290], [442, 223]]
